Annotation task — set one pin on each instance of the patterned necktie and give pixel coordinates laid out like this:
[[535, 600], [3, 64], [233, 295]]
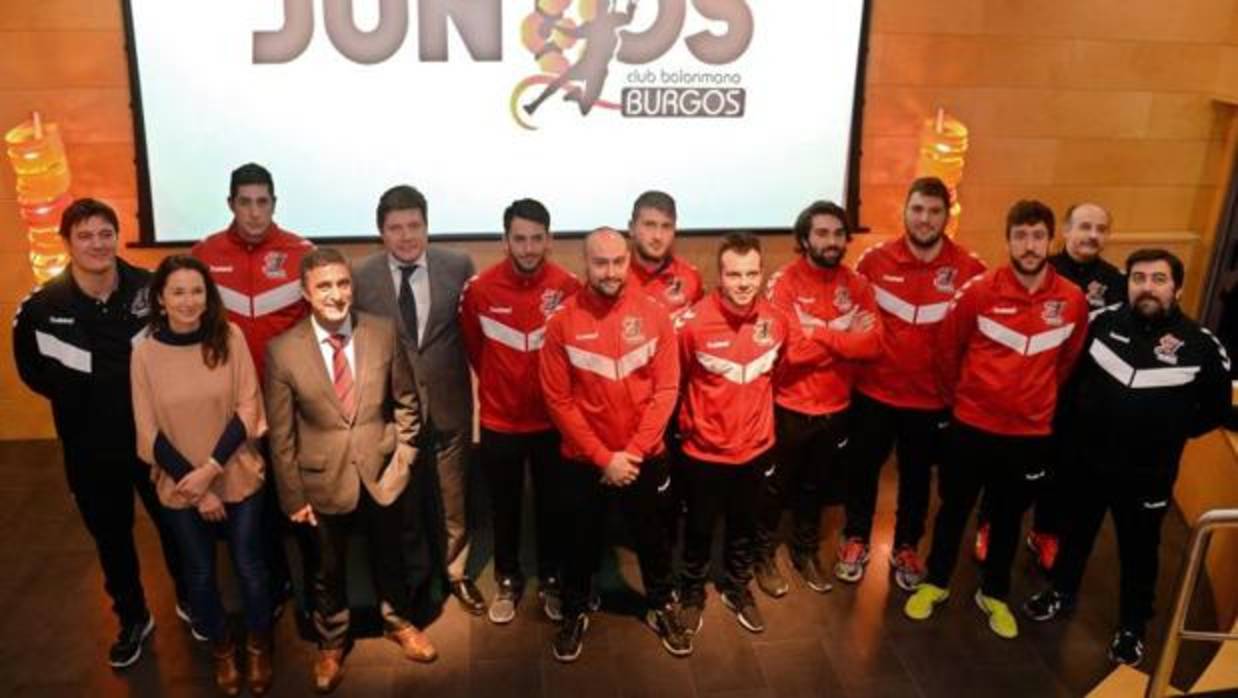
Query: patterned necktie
[[341, 375], [408, 304]]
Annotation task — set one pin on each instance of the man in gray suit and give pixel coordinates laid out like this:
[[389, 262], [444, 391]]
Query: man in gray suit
[[419, 286], [344, 417]]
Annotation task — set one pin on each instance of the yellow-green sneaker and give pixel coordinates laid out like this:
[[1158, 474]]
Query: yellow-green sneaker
[[1001, 620], [920, 605]]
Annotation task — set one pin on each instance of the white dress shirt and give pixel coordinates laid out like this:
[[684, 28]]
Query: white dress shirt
[[328, 352], [419, 282]]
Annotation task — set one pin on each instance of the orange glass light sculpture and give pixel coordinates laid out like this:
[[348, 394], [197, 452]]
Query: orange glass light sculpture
[[37, 155], [943, 151]]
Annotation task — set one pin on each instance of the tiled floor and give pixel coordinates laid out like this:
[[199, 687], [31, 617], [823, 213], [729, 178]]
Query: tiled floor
[[55, 626]]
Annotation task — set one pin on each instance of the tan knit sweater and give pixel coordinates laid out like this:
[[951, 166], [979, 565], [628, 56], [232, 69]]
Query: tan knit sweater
[[175, 393]]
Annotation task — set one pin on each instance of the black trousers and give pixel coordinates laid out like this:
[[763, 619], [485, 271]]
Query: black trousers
[[1007, 469], [105, 501], [918, 439], [382, 527], [1050, 498], [806, 473], [1137, 516], [585, 499], [502, 458], [729, 492], [1050, 504]]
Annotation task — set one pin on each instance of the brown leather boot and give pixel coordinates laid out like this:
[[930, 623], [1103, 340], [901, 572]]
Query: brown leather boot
[[258, 670], [328, 670], [227, 676]]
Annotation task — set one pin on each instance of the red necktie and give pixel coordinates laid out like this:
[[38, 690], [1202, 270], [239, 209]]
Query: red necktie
[[341, 376]]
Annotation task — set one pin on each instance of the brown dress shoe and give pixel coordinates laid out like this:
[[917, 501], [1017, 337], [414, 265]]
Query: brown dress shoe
[[414, 643], [227, 676], [258, 671], [328, 670]]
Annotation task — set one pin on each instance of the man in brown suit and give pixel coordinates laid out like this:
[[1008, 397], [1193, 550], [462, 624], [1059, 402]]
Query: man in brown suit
[[344, 414]]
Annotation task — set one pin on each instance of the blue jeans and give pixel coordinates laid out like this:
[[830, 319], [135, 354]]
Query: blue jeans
[[196, 538]]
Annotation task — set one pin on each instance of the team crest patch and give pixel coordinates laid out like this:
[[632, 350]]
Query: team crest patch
[[842, 299], [674, 290], [552, 298], [1096, 294], [273, 265], [1052, 313], [633, 330], [1166, 350], [943, 279], [763, 332], [140, 306]]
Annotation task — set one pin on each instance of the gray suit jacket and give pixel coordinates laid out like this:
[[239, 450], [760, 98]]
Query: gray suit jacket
[[319, 456], [439, 362]]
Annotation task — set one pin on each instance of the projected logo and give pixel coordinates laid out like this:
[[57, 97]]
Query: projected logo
[[574, 43]]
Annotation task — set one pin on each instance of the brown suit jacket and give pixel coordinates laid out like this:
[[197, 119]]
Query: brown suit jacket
[[321, 458]]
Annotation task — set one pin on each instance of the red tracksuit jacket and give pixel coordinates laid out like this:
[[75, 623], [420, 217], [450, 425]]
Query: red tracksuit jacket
[[1003, 352], [913, 297], [610, 374], [727, 361], [677, 285], [503, 323], [260, 284], [824, 302]]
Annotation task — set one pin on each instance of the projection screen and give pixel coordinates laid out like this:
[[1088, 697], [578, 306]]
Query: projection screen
[[741, 109]]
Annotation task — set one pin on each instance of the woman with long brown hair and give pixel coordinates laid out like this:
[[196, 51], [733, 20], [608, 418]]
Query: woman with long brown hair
[[198, 410]]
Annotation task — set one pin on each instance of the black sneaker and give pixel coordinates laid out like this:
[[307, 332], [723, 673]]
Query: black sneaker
[[571, 638], [809, 567], [745, 609], [692, 616], [666, 623], [128, 646], [469, 596], [182, 612], [769, 577], [1126, 648], [503, 608], [1046, 605], [551, 594]]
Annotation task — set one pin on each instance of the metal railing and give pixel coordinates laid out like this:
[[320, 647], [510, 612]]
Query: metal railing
[[1158, 685]]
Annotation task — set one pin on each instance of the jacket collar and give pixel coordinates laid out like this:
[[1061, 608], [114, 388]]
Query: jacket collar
[[903, 255], [593, 301], [730, 313], [515, 278], [1008, 284], [646, 275], [235, 236]]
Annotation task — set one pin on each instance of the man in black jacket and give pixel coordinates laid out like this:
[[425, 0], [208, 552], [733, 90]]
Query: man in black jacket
[[71, 342], [1085, 228], [1150, 379]]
